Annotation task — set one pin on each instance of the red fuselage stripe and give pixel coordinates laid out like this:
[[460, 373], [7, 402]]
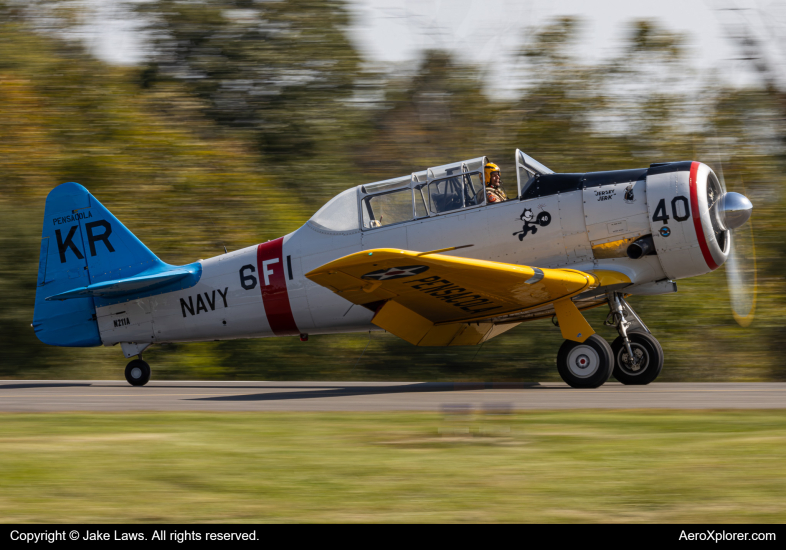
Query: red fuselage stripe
[[272, 270], [696, 214]]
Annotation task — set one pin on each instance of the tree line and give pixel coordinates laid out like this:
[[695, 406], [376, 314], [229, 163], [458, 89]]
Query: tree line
[[246, 117]]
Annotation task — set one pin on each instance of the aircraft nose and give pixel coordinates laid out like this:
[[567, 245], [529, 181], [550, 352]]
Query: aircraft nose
[[734, 210]]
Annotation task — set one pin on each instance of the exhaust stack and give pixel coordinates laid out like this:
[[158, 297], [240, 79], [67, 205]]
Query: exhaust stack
[[643, 246]]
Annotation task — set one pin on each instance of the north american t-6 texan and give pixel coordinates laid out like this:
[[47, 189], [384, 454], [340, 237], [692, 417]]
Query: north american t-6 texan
[[440, 257]]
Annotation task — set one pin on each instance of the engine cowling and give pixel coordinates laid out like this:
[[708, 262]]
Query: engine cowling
[[690, 214]]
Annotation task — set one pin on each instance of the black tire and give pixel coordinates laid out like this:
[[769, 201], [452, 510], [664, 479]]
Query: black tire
[[585, 365], [645, 346], [138, 372]]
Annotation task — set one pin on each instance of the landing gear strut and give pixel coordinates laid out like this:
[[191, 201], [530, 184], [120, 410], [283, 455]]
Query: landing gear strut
[[138, 372], [638, 356]]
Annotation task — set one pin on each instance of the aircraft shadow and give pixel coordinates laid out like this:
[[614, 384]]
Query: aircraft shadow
[[344, 391], [36, 385]]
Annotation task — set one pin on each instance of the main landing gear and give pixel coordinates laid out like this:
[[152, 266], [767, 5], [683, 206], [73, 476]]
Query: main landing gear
[[634, 358], [587, 364], [638, 356], [138, 372]]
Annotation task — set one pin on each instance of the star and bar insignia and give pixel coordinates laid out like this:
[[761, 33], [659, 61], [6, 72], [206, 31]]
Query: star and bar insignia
[[396, 272]]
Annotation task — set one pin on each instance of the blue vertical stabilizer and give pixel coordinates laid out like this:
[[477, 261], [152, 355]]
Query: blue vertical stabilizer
[[90, 259]]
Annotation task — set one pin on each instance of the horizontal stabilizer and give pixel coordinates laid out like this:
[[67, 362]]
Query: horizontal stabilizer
[[117, 288]]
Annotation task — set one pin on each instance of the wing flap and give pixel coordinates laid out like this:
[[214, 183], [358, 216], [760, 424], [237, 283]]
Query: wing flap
[[419, 331]]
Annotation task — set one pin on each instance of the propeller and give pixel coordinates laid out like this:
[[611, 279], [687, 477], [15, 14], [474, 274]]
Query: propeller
[[733, 214]]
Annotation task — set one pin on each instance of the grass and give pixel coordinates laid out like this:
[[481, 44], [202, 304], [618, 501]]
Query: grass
[[576, 466]]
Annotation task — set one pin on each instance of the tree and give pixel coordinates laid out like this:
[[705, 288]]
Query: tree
[[282, 71]]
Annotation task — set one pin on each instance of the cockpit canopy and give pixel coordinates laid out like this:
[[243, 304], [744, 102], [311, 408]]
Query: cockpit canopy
[[432, 192]]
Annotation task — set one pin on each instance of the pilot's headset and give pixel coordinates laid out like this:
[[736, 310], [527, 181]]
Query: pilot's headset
[[488, 169]]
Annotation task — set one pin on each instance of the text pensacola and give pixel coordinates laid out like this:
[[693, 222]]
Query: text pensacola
[[88, 535]]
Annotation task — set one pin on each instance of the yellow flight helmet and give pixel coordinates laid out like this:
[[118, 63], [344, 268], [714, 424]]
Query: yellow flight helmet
[[488, 169]]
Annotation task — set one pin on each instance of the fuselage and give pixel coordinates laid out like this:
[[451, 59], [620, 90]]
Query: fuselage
[[573, 221]]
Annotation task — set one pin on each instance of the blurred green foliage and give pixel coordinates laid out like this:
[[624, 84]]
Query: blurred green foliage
[[248, 116]]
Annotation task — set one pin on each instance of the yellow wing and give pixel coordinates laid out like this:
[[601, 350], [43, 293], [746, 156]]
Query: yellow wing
[[436, 300]]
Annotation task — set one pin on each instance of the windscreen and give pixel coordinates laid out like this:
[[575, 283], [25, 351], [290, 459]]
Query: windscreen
[[339, 214]]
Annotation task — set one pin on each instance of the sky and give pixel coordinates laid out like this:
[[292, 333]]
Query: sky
[[394, 30], [489, 32]]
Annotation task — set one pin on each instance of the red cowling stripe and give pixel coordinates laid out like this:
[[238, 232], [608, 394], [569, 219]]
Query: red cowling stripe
[[696, 213], [274, 294]]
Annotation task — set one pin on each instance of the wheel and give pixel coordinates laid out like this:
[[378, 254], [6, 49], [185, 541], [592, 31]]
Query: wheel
[[585, 365], [137, 372], [649, 353]]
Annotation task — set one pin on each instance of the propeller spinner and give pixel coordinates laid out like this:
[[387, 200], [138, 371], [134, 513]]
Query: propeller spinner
[[733, 210]]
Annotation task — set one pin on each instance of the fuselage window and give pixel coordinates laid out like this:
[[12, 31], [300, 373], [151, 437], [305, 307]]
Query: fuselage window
[[455, 192], [387, 209], [446, 195], [475, 189]]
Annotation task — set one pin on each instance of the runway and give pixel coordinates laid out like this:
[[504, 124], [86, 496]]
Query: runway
[[115, 396]]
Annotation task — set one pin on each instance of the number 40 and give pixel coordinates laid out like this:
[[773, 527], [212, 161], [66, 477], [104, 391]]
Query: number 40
[[679, 209]]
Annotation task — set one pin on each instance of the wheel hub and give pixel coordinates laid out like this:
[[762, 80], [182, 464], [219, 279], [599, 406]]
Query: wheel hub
[[136, 373], [634, 365], [583, 361]]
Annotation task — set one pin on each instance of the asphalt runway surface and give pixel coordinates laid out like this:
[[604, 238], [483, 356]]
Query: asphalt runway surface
[[113, 396]]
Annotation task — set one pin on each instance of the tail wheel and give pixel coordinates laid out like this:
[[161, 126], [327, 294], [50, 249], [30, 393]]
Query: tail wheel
[[587, 364], [646, 364], [138, 372]]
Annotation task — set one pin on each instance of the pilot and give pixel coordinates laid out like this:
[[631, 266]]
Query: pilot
[[494, 192]]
